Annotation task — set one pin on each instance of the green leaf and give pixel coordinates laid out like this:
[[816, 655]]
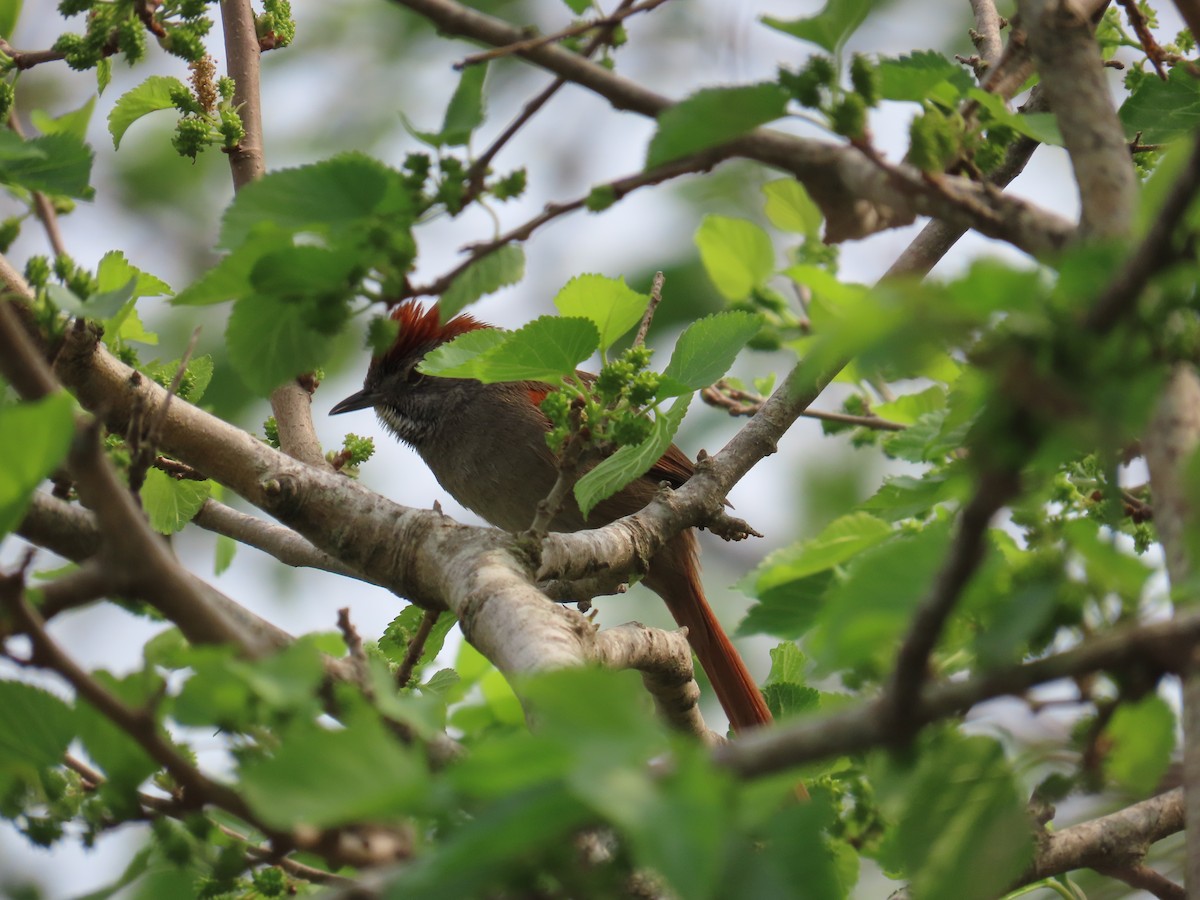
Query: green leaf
[[327, 197], [171, 503], [460, 354], [961, 825], [229, 279], [737, 254], [293, 273], [1107, 565], [829, 28], [35, 726], [269, 342], [465, 111], [787, 610], [10, 12], [579, 7], [790, 208], [1143, 741], [115, 271], [786, 700], [713, 116], [840, 541], [119, 756], [484, 276], [547, 349], [706, 350], [103, 74], [864, 618], [1040, 126], [631, 462], [34, 438], [152, 94], [1163, 110], [924, 75], [74, 123], [611, 304], [907, 408], [53, 163], [322, 778], [400, 632]]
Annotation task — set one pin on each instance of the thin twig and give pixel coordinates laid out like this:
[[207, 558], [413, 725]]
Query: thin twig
[[656, 289], [700, 162], [354, 650], [1144, 878], [541, 40], [747, 403], [570, 459], [479, 168], [1141, 28], [416, 647], [986, 34], [145, 441]]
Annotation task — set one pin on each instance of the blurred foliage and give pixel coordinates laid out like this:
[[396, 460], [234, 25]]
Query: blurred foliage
[[986, 371]]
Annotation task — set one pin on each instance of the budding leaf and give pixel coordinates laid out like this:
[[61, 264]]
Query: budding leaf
[[152, 94], [629, 463]]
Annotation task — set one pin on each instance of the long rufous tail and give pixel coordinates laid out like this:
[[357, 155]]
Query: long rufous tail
[[674, 576]]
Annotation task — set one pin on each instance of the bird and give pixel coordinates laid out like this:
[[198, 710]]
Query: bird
[[486, 445]]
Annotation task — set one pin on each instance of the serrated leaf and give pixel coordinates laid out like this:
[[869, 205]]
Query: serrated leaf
[[56, 164], [34, 438], [269, 342], [907, 408], [171, 503], [152, 94], [786, 610], [1163, 110], [611, 304], [460, 354], [114, 271], [321, 778], [296, 272], [35, 726], [706, 350], [1142, 737], [547, 349], [786, 700], [829, 28], [103, 74], [737, 254], [631, 462], [840, 540], [74, 123], [229, 279], [1041, 127], [787, 664], [327, 197], [961, 825], [484, 276], [923, 75], [864, 617], [713, 116], [790, 208]]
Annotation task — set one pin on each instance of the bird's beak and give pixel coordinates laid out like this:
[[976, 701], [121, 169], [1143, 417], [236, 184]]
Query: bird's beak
[[364, 399]]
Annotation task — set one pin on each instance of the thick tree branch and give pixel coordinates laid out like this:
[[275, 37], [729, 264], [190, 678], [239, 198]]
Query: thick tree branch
[[1154, 648], [1061, 36]]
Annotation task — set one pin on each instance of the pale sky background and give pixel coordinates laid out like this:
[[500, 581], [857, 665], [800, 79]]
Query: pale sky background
[[344, 71]]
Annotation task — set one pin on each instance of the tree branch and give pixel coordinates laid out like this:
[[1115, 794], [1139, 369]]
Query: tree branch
[[1062, 39], [857, 195]]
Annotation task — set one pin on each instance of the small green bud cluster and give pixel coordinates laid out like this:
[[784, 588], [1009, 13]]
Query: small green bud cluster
[[613, 411], [935, 139], [78, 280], [275, 27], [118, 27], [10, 228], [208, 113], [816, 87], [271, 432]]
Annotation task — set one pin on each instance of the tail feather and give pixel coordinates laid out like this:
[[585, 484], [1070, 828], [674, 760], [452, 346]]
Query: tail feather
[[674, 576]]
